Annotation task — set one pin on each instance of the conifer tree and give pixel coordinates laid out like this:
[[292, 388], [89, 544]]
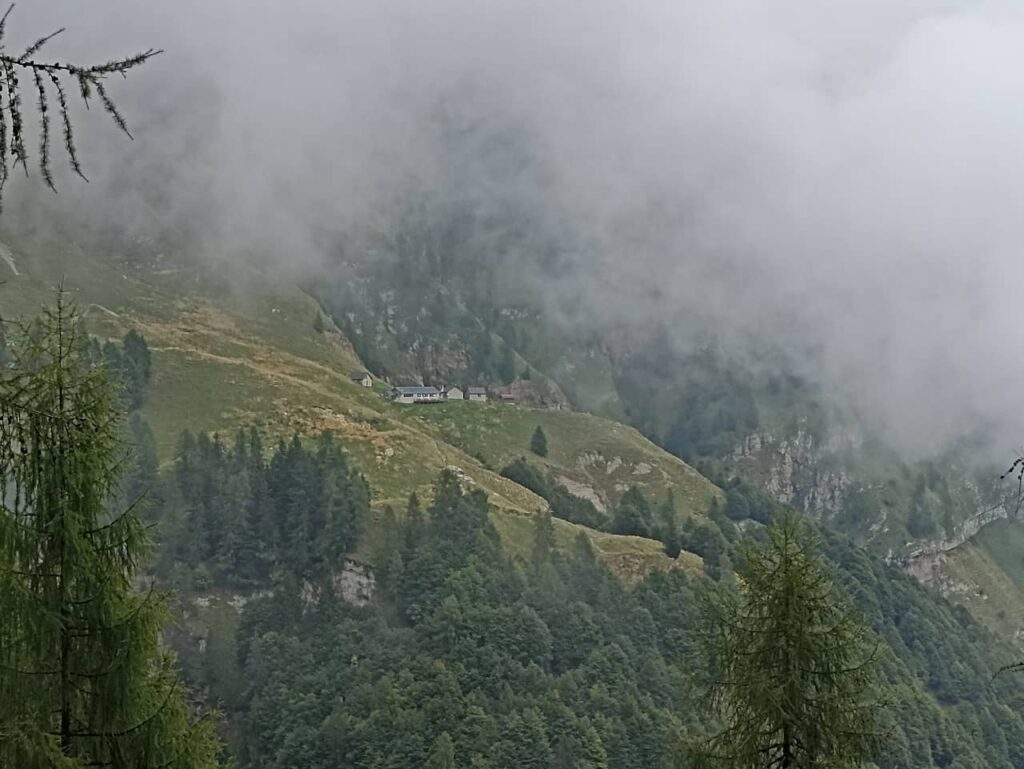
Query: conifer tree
[[667, 523], [632, 514], [795, 667], [543, 539], [539, 442], [346, 502], [83, 680], [136, 368], [144, 472], [442, 754], [259, 522], [256, 532], [414, 524]]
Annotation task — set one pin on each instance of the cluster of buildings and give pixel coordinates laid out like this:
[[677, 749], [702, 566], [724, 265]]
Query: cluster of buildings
[[428, 394]]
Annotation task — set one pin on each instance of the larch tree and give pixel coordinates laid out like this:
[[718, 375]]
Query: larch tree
[[794, 667], [84, 681], [31, 84]]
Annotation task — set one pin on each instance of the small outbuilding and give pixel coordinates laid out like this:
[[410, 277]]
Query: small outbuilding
[[477, 393], [362, 378], [454, 393]]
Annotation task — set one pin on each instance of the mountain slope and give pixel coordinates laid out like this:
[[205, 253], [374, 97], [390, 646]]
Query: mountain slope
[[228, 355], [233, 348]]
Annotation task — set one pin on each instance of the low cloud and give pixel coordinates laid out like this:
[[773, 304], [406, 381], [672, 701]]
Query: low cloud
[[834, 177]]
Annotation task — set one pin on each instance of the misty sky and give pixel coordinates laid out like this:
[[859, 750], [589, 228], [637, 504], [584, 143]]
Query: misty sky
[[842, 176]]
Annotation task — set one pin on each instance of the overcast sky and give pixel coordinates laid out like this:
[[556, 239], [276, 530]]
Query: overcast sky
[[844, 175]]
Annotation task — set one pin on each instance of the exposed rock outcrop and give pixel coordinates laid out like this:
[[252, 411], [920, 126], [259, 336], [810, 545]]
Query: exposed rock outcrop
[[965, 531], [538, 391], [795, 470], [928, 568], [927, 561], [355, 583], [583, 490]]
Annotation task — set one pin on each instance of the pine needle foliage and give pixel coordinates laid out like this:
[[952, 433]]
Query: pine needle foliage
[[51, 85], [83, 679], [794, 666]]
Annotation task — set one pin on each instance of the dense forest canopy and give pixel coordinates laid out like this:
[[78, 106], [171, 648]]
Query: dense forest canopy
[[463, 654], [467, 656]]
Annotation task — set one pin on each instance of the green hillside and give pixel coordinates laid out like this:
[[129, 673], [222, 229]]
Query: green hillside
[[986, 575], [596, 458], [232, 355], [244, 351]]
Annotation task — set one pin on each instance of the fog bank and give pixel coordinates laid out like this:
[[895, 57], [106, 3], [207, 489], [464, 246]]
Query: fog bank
[[846, 178]]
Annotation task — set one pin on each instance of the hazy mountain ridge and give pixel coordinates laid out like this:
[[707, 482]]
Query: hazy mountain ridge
[[444, 308], [225, 358], [730, 411]]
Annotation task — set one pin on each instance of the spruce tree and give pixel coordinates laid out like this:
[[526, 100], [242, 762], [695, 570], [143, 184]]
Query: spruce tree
[[667, 523], [632, 514], [136, 368], [83, 679], [259, 522], [543, 539], [415, 526], [346, 502], [539, 442], [143, 474], [794, 666]]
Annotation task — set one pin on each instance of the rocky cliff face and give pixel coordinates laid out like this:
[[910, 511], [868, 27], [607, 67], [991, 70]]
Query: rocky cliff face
[[799, 471], [354, 583], [960, 535], [543, 393], [436, 362], [929, 568], [795, 470], [927, 561]]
